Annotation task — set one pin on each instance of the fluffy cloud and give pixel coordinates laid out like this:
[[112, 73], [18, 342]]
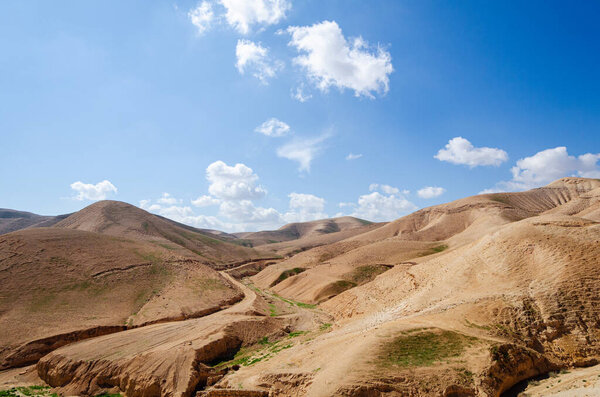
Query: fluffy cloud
[[387, 189], [254, 57], [88, 191], [234, 189], [273, 128], [305, 207], [379, 207], [241, 14], [430, 192], [547, 166], [205, 201], [185, 214], [384, 203], [330, 60], [233, 182], [551, 164], [300, 95], [303, 150], [168, 199], [352, 156], [202, 16], [461, 151]]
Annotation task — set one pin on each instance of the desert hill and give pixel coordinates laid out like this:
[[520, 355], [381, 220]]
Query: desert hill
[[330, 269], [12, 220], [298, 230], [60, 285], [468, 298], [120, 219]]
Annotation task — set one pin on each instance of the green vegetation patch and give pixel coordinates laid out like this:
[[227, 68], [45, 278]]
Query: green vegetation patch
[[288, 273], [272, 310], [434, 250], [251, 355], [325, 326], [422, 348], [28, 391], [500, 198], [366, 273]]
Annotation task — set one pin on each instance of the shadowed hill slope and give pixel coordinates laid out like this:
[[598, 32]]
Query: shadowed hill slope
[[116, 218], [298, 230], [12, 220]]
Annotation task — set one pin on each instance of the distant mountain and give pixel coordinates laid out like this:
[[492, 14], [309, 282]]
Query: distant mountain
[[12, 220], [295, 231], [120, 219]]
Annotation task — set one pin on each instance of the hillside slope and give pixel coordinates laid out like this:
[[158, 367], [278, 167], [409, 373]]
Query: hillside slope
[[331, 269], [12, 220], [298, 230], [120, 219], [60, 285]]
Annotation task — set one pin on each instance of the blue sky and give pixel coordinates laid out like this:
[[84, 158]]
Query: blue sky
[[162, 99]]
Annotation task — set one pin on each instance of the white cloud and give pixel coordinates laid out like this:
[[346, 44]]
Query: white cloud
[[185, 214], [329, 60], [551, 164], [300, 95], [205, 201], [305, 207], [168, 199], [430, 192], [387, 189], [303, 150], [461, 151], [547, 166], [241, 14], [233, 182], [202, 16], [352, 156], [88, 191], [254, 57], [273, 128], [245, 212], [380, 207]]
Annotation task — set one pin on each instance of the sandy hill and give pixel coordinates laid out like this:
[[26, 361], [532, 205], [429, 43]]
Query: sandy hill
[[331, 269], [468, 298], [12, 220], [298, 230], [61, 285], [120, 219]]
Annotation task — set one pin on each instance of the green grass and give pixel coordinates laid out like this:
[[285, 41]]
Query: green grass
[[325, 326], [500, 198], [296, 334], [366, 273], [272, 310], [28, 391], [293, 302], [473, 325], [287, 273], [422, 348], [263, 350], [434, 250]]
